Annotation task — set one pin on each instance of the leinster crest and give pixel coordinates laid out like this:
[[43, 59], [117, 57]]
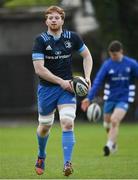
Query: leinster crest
[[67, 44]]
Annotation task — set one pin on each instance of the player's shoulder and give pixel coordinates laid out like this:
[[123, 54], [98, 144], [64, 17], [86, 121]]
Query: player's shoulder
[[66, 34], [70, 34], [130, 60], [42, 37], [107, 62]]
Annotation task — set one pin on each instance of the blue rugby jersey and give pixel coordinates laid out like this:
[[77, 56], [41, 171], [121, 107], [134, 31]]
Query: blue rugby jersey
[[118, 78], [57, 53]]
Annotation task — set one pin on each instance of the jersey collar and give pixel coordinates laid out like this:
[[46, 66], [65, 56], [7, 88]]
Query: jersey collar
[[54, 37]]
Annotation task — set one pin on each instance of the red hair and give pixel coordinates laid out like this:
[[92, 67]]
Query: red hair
[[57, 9]]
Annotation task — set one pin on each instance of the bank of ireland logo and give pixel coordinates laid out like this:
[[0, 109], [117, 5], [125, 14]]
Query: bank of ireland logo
[[57, 53], [67, 44]]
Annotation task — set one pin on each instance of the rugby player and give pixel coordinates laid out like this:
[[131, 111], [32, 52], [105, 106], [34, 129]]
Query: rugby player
[[52, 60], [117, 73]]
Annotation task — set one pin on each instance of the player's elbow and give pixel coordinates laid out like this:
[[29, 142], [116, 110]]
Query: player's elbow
[[39, 71], [38, 67]]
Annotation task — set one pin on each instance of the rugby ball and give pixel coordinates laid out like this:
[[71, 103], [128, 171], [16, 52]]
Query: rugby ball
[[80, 86], [94, 112]]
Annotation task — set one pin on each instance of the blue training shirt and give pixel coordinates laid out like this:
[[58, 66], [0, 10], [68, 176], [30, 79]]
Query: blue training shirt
[[57, 53], [118, 78]]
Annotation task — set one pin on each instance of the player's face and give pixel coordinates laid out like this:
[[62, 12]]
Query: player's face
[[116, 56], [54, 21]]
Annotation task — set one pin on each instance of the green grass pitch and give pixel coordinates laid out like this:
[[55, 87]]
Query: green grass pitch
[[18, 151]]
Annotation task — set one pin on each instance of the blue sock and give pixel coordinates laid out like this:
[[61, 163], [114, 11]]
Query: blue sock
[[42, 141], [68, 141]]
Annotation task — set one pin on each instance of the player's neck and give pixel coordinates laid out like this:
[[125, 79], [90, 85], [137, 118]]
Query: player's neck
[[55, 34], [120, 58]]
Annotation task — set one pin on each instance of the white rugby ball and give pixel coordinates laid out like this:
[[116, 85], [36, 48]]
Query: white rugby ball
[[80, 86], [94, 112]]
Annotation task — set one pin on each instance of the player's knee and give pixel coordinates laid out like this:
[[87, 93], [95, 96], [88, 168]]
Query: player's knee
[[43, 130], [107, 125], [67, 116], [45, 123], [46, 120], [115, 121], [67, 124]]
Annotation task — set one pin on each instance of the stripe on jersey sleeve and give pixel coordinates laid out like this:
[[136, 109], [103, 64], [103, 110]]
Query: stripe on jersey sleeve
[[107, 86], [105, 97], [82, 48], [106, 91], [131, 93], [132, 87], [37, 56], [130, 99]]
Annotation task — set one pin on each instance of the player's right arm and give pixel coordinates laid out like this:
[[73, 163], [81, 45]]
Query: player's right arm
[[98, 81], [44, 73], [41, 70]]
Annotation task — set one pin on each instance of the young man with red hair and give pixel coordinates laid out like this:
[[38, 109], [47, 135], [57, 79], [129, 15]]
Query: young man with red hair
[[52, 60]]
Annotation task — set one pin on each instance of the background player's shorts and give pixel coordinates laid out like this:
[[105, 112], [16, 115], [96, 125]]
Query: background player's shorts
[[109, 106], [49, 97]]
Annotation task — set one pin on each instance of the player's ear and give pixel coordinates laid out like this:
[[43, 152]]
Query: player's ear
[[46, 22], [62, 21], [121, 51]]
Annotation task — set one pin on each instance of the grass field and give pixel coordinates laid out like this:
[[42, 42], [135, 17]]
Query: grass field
[[18, 147], [28, 3]]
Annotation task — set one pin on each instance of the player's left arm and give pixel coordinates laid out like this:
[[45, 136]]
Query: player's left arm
[[135, 68], [82, 49], [87, 63]]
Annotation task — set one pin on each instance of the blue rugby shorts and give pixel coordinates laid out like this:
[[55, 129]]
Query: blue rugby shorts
[[49, 97], [109, 106]]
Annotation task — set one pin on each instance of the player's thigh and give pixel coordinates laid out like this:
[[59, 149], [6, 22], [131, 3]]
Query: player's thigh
[[47, 99], [108, 107], [67, 113], [120, 111], [118, 115], [66, 97], [67, 106], [108, 110]]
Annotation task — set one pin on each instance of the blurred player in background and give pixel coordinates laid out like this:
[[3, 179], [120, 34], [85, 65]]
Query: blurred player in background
[[118, 73], [52, 60]]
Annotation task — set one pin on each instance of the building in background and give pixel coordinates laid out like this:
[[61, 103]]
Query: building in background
[[18, 28]]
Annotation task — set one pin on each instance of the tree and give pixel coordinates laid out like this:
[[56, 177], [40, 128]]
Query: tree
[[118, 19]]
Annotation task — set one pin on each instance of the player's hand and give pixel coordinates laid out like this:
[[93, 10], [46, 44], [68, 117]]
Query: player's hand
[[84, 104], [66, 84]]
